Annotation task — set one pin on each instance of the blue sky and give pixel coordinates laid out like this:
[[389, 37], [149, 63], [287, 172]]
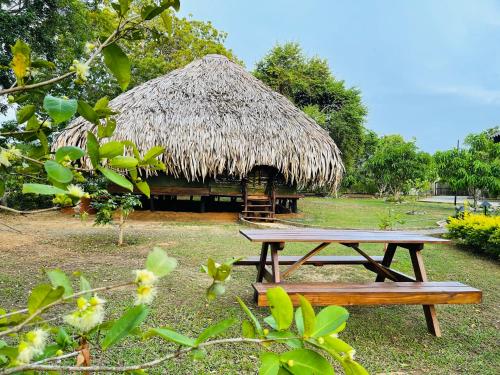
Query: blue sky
[[428, 69]]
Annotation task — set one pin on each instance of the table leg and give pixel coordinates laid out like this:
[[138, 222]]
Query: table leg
[[275, 264], [387, 261], [261, 267], [429, 310]]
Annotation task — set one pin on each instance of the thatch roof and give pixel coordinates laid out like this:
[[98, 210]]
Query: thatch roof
[[213, 116]]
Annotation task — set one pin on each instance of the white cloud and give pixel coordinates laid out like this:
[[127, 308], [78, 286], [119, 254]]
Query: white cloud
[[477, 94]]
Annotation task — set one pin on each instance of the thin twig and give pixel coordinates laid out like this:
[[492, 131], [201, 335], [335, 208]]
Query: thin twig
[[58, 302], [144, 365], [5, 208]]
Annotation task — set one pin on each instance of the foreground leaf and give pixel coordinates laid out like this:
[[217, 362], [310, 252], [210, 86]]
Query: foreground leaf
[[42, 189], [59, 278], [306, 362], [111, 149], [123, 326], [43, 295], [269, 363], [74, 153], [214, 330], [252, 317], [281, 307], [308, 316], [25, 113], [329, 319], [59, 109], [87, 112], [160, 263], [57, 172], [143, 186], [93, 149], [118, 63], [123, 162], [170, 335], [116, 178]]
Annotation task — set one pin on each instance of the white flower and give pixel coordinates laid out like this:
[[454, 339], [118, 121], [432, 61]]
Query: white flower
[[25, 353], [145, 277], [81, 70], [89, 314], [145, 294], [75, 191], [37, 340]]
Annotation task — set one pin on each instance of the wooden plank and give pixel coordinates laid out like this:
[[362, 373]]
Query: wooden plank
[[388, 257], [325, 294], [396, 275], [338, 236], [318, 260], [304, 259]]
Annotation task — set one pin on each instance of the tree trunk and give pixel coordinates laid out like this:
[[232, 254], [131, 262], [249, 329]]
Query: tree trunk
[[120, 229]]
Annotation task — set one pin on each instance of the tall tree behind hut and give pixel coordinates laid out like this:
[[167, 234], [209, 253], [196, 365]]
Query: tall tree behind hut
[[310, 84]]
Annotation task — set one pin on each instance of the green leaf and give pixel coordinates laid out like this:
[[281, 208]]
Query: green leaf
[[111, 149], [42, 189], [102, 105], [281, 307], [93, 149], [33, 124], [59, 109], [59, 278], [154, 152], [252, 317], [223, 272], [308, 316], [353, 368], [293, 343], [57, 172], [299, 321], [43, 64], [130, 320], [116, 178], [269, 363], [328, 320], [160, 263], [306, 362], [87, 112], [214, 330], [118, 63], [212, 268], [271, 322], [144, 188], [247, 329], [42, 295], [44, 142], [25, 113], [74, 153], [170, 335], [62, 338], [123, 162], [215, 290], [336, 344], [84, 286]]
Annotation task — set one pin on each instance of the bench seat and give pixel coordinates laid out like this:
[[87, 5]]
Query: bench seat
[[376, 293], [319, 260]]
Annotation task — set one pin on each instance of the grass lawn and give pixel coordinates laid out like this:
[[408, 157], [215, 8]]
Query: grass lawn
[[387, 339]]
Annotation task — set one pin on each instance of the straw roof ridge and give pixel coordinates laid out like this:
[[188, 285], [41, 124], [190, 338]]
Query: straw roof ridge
[[212, 116]]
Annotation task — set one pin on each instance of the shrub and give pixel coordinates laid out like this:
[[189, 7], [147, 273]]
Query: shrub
[[479, 232]]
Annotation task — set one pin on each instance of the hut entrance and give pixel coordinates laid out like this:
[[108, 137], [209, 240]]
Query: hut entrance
[[259, 194]]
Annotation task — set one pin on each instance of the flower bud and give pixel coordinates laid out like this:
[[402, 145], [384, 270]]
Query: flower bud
[[290, 363], [321, 341], [265, 332]]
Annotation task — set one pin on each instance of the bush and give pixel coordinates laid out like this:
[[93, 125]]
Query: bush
[[479, 232]]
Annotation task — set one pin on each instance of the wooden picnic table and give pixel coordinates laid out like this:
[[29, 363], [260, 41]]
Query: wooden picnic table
[[404, 290]]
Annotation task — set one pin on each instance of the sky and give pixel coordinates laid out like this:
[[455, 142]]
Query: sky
[[428, 69]]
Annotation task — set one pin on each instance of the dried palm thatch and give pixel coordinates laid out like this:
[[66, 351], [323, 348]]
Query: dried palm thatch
[[214, 117]]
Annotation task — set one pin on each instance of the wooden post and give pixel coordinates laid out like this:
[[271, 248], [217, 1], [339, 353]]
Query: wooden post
[[388, 256], [421, 275], [261, 267]]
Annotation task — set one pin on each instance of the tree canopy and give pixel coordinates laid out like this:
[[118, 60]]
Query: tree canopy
[[310, 84]]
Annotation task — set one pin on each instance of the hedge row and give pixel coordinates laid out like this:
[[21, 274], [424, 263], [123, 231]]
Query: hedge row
[[481, 233]]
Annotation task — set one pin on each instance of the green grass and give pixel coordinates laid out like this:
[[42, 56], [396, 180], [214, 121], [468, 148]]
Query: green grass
[[387, 339]]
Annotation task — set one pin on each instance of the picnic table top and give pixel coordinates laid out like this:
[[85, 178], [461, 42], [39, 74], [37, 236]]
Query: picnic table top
[[337, 235]]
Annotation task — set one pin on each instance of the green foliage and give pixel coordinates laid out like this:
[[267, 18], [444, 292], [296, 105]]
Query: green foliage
[[59, 278], [309, 83], [130, 320], [106, 205], [118, 63], [42, 296], [479, 233], [60, 109], [219, 273], [475, 167], [389, 219], [160, 263], [396, 165]]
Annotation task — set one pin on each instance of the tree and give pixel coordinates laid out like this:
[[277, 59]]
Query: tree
[[396, 165], [475, 168], [309, 83]]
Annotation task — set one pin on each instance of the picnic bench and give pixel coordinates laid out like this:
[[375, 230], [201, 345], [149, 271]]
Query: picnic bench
[[405, 289]]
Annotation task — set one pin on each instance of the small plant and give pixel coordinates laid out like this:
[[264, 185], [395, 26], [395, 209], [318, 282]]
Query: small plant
[[108, 205], [389, 219]]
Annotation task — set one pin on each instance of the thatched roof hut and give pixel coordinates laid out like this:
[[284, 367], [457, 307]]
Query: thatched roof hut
[[214, 118]]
